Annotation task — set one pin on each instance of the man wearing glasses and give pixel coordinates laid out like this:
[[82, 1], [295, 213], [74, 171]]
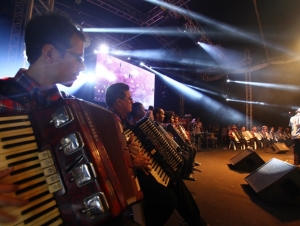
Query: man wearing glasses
[[54, 48]]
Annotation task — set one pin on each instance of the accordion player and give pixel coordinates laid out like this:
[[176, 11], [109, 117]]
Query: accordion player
[[162, 151]]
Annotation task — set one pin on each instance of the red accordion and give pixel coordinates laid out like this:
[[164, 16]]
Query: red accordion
[[71, 162]]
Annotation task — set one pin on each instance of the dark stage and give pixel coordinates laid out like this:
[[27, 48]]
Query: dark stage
[[225, 198]]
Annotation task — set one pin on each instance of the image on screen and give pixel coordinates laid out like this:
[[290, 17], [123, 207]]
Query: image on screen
[[110, 70]]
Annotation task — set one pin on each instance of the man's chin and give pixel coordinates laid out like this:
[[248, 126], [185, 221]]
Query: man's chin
[[68, 83]]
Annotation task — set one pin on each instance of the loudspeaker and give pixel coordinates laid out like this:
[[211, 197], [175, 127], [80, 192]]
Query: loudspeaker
[[276, 181], [247, 160], [277, 148]]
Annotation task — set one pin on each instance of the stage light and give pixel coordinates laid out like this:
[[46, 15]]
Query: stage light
[[228, 80], [128, 58], [103, 48]]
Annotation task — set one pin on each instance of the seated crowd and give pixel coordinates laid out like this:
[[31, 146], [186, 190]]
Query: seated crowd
[[258, 137]]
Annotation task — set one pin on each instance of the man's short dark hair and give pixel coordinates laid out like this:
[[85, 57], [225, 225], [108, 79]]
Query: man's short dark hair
[[50, 28], [115, 91], [168, 116], [135, 107], [156, 110]]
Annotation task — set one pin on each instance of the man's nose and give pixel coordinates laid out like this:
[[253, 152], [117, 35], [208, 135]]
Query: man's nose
[[81, 66]]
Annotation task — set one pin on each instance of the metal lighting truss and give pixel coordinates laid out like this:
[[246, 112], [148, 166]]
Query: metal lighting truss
[[16, 33], [132, 14], [247, 64]]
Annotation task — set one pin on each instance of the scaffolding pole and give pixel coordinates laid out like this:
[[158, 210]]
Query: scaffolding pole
[[247, 64]]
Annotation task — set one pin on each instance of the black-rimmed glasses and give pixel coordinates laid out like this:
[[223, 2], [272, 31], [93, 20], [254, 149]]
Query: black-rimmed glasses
[[128, 98], [78, 57]]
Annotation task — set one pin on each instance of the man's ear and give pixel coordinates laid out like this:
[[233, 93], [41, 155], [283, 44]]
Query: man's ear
[[118, 101], [48, 52]]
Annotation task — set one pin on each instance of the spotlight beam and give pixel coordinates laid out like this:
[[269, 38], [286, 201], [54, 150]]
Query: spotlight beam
[[159, 55], [199, 98], [217, 24], [171, 31], [270, 85]]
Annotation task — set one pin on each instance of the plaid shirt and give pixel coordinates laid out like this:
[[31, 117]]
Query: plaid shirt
[[8, 105]]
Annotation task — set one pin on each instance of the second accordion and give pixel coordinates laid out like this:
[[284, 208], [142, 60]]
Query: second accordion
[[165, 157]]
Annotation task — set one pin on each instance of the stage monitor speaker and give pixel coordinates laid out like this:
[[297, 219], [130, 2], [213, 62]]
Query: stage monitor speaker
[[276, 181], [247, 160], [277, 148]]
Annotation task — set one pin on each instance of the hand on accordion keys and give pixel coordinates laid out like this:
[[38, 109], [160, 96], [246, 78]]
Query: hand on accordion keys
[[8, 201], [140, 161]]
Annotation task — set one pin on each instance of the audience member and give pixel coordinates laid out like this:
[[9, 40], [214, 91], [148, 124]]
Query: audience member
[[236, 138], [257, 137], [265, 137]]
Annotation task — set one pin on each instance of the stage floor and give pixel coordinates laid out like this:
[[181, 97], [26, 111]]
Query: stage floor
[[226, 199]]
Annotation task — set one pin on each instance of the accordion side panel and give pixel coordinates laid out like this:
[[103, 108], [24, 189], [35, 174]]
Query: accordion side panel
[[71, 202], [116, 149]]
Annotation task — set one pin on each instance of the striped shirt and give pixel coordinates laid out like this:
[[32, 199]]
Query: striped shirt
[[37, 99]]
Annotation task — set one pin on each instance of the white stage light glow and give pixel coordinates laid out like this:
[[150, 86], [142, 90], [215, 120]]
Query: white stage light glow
[[103, 48]]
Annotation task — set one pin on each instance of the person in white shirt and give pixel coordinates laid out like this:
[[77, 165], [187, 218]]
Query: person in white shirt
[[295, 126]]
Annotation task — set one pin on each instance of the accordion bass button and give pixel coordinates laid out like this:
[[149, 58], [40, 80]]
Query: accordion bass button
[[95, 205]]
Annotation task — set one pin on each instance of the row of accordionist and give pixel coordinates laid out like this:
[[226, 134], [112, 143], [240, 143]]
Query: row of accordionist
[[242, 138], [167, 126]]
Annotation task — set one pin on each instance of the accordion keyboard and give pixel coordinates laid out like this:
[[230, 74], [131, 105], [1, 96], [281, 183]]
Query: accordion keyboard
[[33, 172], [157, 171]]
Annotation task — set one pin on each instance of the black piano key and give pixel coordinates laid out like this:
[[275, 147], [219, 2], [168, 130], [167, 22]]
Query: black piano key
[[21, 154], [160, 172], [7, 146], [14, 128], [16, 137], [30, 187], [29, 179], [13, 121], [23, 161], [37, 206], [24, 169], [38, 196], [30, 219], [51, 221]]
